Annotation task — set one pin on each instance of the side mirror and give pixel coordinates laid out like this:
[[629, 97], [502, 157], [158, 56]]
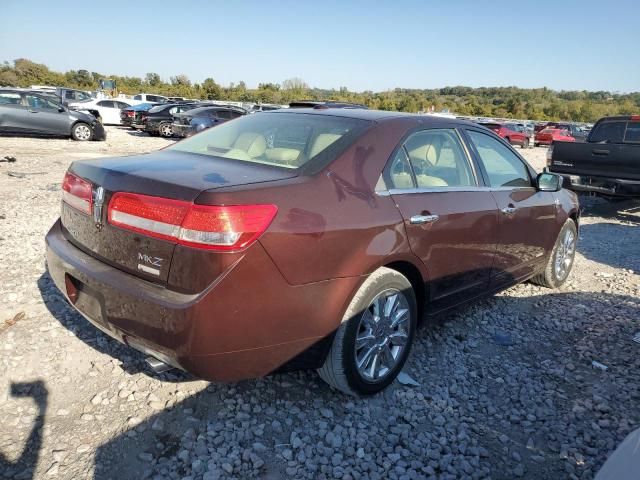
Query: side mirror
[[549, 182], [61, 109]]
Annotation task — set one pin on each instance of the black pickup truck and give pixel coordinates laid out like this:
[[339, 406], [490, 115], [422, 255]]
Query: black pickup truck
[[607, 164]]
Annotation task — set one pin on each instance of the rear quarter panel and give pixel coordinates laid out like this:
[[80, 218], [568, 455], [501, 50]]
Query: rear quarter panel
[[333, 224]]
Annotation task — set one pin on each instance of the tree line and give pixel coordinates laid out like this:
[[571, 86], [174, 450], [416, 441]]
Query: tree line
[[501, 102]]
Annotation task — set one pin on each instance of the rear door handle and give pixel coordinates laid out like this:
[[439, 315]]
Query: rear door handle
[[596, 151], [422, 219], [509, 210]]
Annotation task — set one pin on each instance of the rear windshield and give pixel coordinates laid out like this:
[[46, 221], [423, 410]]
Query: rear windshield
[[282, 139]]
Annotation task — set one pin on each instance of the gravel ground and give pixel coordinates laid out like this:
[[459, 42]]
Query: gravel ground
[[506, 387]]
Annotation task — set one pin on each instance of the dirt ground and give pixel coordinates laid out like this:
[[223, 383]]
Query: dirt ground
[[506, 388]]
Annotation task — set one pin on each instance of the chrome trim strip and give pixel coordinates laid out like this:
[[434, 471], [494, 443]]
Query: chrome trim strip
[[407, 191]]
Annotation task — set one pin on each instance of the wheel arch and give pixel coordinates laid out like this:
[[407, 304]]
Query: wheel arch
[[417, 280]]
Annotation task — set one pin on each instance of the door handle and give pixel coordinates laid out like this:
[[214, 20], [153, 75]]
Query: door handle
[[33, 111], [600, 152], [422, 219], [509, 210]]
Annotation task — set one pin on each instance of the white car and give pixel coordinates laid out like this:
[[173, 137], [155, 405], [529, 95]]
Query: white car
[[108, 110], [148, 98]]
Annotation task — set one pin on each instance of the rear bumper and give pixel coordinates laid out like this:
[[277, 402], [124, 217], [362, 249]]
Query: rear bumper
[[247, 323], [180, 130], [602, 185]]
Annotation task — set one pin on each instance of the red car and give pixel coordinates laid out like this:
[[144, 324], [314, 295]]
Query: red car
[[550, 135], [304, 238], [513, 133]]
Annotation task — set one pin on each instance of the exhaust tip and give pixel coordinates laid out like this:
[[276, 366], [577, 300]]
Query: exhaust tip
[[158, 366]]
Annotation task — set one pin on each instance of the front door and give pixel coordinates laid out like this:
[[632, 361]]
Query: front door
[[44, 116], [525, 213], [451, 221]]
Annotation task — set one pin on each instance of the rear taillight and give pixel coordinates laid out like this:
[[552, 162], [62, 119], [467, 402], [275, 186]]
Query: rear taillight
[[215, 227], [130, 113], [77, 193]]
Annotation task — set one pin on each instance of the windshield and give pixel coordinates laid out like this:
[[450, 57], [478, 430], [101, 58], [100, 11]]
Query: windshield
[[282, 139]]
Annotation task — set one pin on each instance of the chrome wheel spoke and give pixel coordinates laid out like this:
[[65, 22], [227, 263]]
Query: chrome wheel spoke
[[364, 340], [389, 359], [365, 361], [399, 338], [400, 317], [374, 370]]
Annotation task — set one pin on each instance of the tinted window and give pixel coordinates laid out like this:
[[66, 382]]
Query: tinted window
[[633, 132], [235, 114], [611, 132], [224, 114], [105, 103], [400, 175], [69, 95], [8, 98], [122, 105], [438, 159], [39, 102], [503, 167], [283, 139], [138, 97]]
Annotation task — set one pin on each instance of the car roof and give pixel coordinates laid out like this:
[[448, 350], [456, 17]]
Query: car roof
[[371, 115]]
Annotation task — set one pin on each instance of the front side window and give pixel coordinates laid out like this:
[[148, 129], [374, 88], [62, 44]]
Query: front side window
[[286, 140], [438, 159], [609, 132], [503, 167], [33, 101]]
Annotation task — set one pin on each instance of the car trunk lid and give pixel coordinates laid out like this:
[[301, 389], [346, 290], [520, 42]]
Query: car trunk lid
[[170, 175]]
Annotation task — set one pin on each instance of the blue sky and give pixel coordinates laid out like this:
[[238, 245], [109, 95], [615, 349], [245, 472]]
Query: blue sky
[[363, 45]]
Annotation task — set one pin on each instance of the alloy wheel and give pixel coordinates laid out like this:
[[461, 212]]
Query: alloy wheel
[[166, 130], [565, 253], [382, 335], [83, 132]]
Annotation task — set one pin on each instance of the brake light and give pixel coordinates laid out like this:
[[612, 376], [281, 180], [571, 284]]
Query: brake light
[[214, 227], [77, 193], [635, 118], [130, 113]]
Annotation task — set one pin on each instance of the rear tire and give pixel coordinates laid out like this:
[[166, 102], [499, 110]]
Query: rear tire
[[561, 259], [165, 130], [525, 143], [81, 132], [374, 339]]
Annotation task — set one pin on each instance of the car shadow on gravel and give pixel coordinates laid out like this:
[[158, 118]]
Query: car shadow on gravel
[[619, 223], [131, 360], [281, 426], [24, 466]]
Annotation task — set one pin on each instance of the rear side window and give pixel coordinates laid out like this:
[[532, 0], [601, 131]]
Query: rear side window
[[286, 140], [7, 98], [632, 135], [106, 103], [438, 159], [400, 174], [138, 97], [611, 132], [503, 167]]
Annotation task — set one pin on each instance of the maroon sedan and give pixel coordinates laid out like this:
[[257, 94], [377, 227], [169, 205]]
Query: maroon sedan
[[304, 239]]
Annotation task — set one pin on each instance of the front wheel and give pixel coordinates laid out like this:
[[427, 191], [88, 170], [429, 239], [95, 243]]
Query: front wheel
[[561, 259], [375, 337], [81, 132]]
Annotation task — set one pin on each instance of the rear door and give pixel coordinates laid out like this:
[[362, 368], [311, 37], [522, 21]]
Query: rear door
[[12, 112], [450, 219], [527, 216], [109, 111]]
